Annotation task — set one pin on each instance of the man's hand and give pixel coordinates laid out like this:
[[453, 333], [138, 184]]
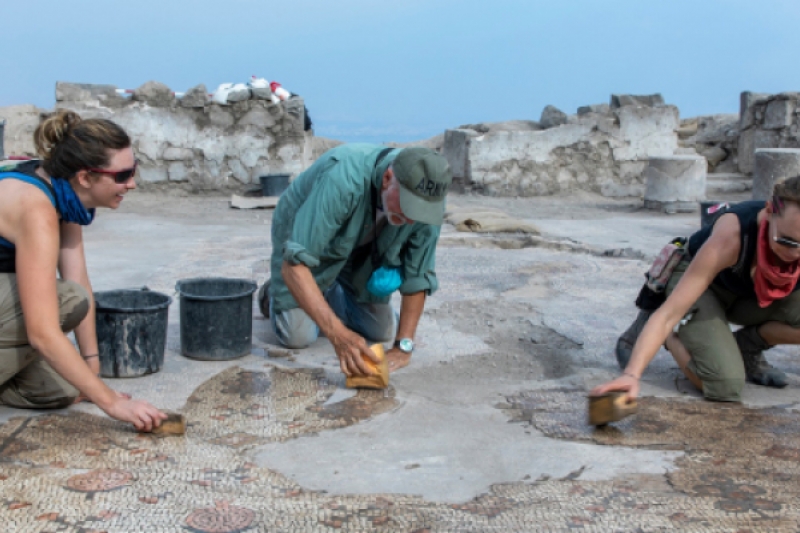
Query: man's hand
[[141, 414], [351, 349], [397, 359]]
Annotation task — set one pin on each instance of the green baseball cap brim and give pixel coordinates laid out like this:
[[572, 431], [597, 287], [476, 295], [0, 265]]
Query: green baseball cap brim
[[420, 210]]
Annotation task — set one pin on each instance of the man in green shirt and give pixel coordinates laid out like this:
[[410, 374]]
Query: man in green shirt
[[360, 223]]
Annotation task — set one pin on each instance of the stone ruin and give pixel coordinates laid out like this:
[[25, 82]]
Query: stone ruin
[[188, 140], [604, 148], [767, 121]]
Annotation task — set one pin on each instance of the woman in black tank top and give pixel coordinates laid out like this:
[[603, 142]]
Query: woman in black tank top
[[84, 164], [742, 270]]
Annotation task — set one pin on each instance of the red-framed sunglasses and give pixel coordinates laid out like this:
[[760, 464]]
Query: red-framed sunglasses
[[120, 176]]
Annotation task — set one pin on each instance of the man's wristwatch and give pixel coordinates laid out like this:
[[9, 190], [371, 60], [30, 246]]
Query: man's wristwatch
[[406, 345]]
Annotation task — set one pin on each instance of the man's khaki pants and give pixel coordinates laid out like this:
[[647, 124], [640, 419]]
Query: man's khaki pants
[[26, 379]]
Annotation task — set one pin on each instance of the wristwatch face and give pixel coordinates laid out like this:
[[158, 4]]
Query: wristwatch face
[[406, 345]]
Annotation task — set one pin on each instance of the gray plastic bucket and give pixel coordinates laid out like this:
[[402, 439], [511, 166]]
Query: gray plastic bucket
[[216, 317], [274, 184], [131, 331]]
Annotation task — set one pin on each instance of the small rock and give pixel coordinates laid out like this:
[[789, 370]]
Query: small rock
[[154, 93], [197, 96], [648, 100], [552, 117]]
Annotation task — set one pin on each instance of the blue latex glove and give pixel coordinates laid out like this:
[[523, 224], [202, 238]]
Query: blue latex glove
[[384, 281]]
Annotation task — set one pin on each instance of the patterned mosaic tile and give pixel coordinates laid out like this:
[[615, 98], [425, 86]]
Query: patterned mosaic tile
[[82, 473], [741, 466]]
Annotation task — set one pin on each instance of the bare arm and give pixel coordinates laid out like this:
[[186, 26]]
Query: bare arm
[[720, 251], [411, 308], [36, 237], [72, 266], [350, 347]]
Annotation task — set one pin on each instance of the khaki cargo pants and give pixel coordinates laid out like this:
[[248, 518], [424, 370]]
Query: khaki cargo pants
[[716, 358], [26, 379]]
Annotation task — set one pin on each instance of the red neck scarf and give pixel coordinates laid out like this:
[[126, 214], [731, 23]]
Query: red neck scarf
[[772, 281]]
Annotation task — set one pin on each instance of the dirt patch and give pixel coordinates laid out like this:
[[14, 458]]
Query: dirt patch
[[521, 347]]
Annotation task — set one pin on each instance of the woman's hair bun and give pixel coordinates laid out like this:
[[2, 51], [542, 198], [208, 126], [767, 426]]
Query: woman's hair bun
[[53, 129]]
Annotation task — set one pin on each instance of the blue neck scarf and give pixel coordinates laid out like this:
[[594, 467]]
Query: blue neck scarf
[[69, 204]]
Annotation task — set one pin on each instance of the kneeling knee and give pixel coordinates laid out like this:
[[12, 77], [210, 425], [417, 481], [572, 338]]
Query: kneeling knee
[[297, 342], [62, 402], [724, 389], [73, 305]]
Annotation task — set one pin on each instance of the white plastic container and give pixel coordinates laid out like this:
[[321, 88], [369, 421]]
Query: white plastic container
[[279, 91]]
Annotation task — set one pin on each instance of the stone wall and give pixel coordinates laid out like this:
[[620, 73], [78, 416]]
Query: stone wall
[[21, 122], [189, 139], [604, 149], [767, 121], [715, 137]]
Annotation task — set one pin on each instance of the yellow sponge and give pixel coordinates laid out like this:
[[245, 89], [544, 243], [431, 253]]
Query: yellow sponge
[[609, 407], [380, 380]]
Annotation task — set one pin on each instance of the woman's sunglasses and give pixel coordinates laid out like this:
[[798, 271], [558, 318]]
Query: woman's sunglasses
[[120, 176], [783, 241]]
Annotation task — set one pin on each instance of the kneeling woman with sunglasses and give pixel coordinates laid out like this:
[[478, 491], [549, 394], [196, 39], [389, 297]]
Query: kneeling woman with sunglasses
[[43, 204], [742, 270]]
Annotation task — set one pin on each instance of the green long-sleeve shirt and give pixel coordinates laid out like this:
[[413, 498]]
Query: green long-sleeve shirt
[[327, 211]]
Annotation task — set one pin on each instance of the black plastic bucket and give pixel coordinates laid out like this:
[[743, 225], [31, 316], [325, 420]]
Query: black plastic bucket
[[216, 317], [131, 331], [274, 184]]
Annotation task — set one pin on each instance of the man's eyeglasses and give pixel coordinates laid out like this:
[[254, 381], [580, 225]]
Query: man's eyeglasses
[[120, 176]]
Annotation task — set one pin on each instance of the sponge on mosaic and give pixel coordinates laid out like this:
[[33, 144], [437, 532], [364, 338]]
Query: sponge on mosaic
[[379, 380]]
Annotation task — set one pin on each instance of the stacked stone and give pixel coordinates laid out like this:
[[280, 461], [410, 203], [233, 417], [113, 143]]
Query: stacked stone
[[675, 183], [715, 137], [604, 148], [193, 140], [767, 121], [772, 166]]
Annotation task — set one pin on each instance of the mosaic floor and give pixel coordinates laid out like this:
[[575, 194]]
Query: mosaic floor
[[81, 473], [739, 470]]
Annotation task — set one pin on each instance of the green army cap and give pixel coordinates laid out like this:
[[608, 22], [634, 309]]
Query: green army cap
[[424, 177]]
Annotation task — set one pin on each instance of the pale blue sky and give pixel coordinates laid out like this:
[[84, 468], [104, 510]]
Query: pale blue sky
[[372, 70]]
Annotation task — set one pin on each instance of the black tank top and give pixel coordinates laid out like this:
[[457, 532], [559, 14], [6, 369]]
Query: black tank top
[[737, 278]]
